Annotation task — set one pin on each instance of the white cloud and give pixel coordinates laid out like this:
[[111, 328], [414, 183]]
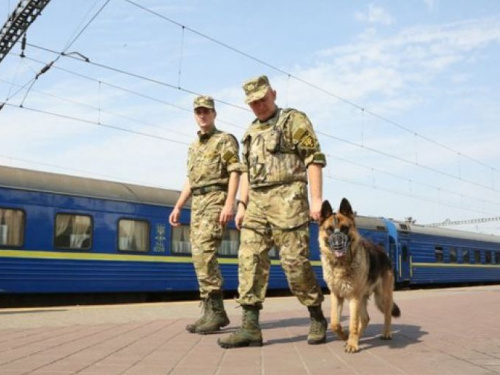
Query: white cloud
[[374, 14]]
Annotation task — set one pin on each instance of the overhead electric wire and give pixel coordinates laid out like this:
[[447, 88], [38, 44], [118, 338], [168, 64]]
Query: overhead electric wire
[[493, 169], [136, 75], [121, 71], [410, 180], [246, 109], [133, 92], [325, 91], [108, 112], [102, 125]]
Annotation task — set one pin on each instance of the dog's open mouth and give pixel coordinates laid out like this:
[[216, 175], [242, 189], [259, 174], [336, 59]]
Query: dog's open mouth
[[338, 243]]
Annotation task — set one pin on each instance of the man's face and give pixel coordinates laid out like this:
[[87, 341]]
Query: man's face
[[205, 118], [265, 107]]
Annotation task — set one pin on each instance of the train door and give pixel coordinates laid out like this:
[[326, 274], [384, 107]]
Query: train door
[[404, 260], [399, 250]]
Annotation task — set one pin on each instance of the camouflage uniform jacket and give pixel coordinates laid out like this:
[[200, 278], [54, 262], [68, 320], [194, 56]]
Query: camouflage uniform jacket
[[279, 150], [212, 158]]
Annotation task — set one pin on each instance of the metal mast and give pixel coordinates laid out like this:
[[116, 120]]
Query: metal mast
[[16, 25]]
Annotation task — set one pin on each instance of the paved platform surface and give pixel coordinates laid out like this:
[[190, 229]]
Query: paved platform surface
[[441, 331]]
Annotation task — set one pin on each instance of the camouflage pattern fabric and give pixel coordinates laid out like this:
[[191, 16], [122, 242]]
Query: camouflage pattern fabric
[[278, 216], [206, 237], [211, 159], [279, 150]]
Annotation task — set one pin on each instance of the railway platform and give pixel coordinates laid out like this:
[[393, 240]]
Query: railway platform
[[441, 331]]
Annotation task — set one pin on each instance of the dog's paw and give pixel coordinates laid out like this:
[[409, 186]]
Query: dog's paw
[[351, 347], [386, 336]]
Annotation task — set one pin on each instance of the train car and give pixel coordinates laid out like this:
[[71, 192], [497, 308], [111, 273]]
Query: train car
[[66, 234], [426, 255]]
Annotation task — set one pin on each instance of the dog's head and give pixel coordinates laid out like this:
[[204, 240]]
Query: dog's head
[[337, 229]]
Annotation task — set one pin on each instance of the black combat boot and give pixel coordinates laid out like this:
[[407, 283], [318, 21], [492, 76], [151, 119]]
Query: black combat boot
[[216, 316], [192, 327], [249, 334], [317, 329]]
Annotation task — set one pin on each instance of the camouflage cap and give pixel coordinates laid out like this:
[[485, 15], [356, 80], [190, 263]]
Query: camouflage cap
[[256, 88], [204, 101]]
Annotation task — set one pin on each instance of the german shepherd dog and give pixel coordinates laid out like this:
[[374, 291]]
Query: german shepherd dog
[[354, 268]]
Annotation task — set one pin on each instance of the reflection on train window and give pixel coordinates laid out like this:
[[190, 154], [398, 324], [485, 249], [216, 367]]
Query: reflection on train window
[[487, 257], [133, 235], [477, 256], [465, 256], [230, 243], [453, 255], [73, 232], [180, 240], [438, 254], [273, 253], [11, 227]]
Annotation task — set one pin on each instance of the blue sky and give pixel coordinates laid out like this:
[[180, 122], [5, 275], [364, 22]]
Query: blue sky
[[403, 94]]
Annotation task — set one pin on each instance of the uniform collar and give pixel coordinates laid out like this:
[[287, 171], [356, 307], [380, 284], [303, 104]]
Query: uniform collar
[[205, 136], [270, 121]]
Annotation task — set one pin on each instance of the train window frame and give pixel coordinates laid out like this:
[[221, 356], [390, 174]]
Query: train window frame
[[477, 256], [67, 234], [453, 255], [465, 256], [184, 247], [4, 228], [229, 247], [129, 244], [438, 254]]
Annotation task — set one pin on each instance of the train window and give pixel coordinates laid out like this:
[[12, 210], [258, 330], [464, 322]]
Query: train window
[[497, 257], [73, 232], [453, 255], [11, 227], [180, 240], [133, 235], [230, 243], [487, 257], [438, 254], [465, 256], [477, 256]]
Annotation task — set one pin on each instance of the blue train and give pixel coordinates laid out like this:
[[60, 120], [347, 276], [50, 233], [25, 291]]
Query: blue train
[[64, 234]]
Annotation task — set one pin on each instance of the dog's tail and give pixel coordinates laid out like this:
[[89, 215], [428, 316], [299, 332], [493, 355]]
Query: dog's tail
[[396, 312]]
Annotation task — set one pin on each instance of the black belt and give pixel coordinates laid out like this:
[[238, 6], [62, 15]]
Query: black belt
[[208, 189]]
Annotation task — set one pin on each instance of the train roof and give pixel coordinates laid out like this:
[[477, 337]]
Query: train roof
[[446, 232], [25, 179], [371, 223]]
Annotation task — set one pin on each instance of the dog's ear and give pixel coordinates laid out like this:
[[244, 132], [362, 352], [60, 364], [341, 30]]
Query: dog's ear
[[346, 209], [326, 211]]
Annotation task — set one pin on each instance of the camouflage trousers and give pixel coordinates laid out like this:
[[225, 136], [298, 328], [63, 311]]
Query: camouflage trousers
[[206, 237], [277, 216]]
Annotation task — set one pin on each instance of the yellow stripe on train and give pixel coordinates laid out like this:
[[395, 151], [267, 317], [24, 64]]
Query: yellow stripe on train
[[114, 257]]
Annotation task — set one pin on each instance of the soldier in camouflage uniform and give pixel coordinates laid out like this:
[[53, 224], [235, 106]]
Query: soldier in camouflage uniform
[[281, 154], [213, 177]]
